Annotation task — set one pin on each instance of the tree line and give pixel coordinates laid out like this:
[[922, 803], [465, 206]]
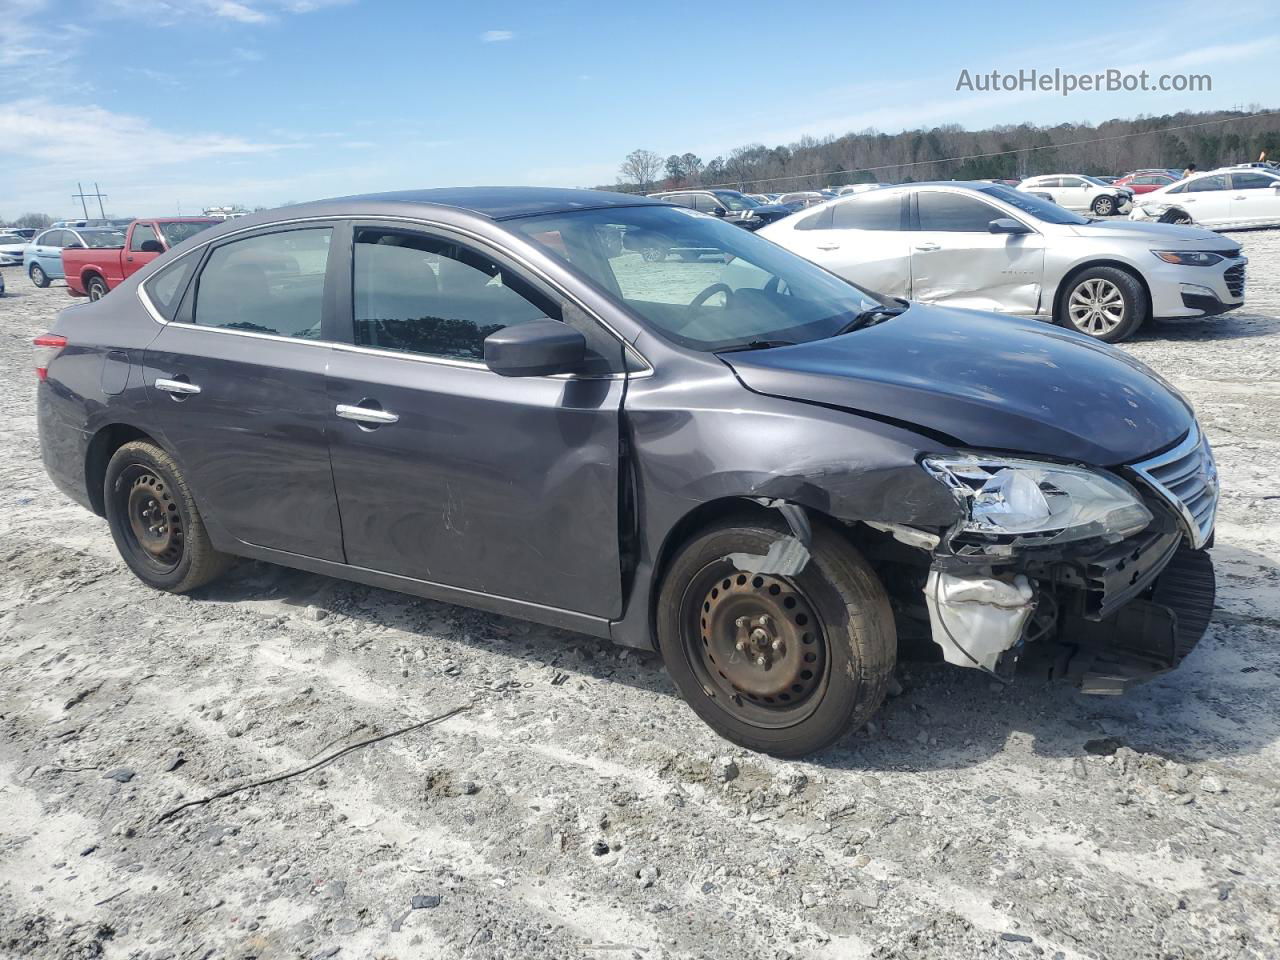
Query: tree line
[[1208, 139]]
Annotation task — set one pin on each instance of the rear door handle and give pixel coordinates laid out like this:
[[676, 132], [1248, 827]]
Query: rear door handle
[[1239, 198], [828, 246], [177, 386], [928, 247], [349, 411]]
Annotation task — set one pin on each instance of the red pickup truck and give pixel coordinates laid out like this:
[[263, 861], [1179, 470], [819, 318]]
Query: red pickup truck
[[91, 272]]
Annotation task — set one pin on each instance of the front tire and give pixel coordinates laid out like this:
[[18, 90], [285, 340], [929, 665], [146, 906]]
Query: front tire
[[38, 276], [782, 665], [96, 288], [1104, 303], [1104, 207], [155, 523]]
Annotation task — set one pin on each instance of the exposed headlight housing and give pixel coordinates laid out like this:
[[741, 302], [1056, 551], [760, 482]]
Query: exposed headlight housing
[[1190, 258], [1026, 502]]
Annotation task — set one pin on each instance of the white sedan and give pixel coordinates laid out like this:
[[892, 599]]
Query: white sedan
[[1222, 199], [11, 246]]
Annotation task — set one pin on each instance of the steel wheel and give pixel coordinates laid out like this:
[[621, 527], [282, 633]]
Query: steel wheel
[[757, 642], [155, 523], [1096, 307]]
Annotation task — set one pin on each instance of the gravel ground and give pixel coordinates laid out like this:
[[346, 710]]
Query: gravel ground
[[578, 808]]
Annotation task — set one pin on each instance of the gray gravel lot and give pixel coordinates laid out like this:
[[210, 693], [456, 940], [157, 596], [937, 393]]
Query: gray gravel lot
[[578, 808]]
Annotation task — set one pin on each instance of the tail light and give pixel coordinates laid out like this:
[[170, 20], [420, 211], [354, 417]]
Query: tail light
[[48, 346]]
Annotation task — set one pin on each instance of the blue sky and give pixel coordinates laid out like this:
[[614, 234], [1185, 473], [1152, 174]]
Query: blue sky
[[169, 103]]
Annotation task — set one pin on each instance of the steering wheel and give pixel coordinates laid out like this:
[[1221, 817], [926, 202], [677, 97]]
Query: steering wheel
[[710, 292]]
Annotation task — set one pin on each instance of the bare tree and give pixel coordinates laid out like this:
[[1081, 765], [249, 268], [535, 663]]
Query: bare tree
[[641, 168], [37, 221]]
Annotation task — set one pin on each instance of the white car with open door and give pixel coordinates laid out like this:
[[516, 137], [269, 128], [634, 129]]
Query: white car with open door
[[1078, 192], [985, 246], [1234, 198]]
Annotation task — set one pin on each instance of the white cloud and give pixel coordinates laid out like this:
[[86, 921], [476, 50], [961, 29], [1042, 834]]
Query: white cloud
[[169, 12], [496, 36]]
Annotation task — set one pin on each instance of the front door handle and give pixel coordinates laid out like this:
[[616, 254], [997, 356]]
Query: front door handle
[[828, 246], [349, 411], [1239, 198], [177, 386], [928, 247]]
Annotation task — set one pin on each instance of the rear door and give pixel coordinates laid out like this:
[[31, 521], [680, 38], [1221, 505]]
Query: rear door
[[449, 473], [956, 260], [237, 388], [863, 239], [1255, 199]]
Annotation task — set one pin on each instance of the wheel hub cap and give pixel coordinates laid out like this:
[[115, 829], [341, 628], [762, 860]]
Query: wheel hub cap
[[154, 518], [760, 640]]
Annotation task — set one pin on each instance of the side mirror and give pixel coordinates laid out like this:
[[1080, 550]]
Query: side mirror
[[534, 349], [151, 246], [1007, 225]]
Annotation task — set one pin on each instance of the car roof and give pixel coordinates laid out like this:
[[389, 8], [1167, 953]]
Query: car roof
[[505, 203]]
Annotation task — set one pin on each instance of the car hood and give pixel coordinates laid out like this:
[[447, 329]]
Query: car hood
[[1163, 233], [984, 380]]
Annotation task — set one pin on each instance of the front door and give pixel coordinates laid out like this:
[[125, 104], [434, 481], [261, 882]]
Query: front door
[[449, 473], [136, 256], [237, 391], [957, 260], [1073, 193], [1208, 200]]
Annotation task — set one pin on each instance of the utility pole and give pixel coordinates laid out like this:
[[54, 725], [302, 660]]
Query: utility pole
[[84, 197]]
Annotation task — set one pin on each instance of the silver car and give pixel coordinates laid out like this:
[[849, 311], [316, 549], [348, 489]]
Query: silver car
[[984, 246]]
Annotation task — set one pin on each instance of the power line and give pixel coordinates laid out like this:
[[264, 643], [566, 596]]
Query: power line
[[995, 153]]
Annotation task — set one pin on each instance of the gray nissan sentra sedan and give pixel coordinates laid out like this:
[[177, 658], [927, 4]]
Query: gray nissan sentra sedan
[[491, 397]]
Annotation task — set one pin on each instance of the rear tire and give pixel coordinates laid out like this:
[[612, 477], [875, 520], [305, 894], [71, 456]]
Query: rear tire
[[38, 276], [1105, 303], [155, 523], [824, 656], [96, 288]]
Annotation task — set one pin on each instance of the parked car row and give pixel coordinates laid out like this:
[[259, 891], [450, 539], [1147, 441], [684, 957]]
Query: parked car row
[[1230, 198], [94, 259]]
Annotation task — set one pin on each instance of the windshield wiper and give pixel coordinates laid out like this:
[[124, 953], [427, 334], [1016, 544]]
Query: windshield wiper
[[758, 345], [869, 318]]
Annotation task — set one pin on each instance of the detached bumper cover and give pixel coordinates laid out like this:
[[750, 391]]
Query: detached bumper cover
[[1147, 637]]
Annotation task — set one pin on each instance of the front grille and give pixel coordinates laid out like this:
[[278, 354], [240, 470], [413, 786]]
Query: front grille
[[1187, 478], [1235, 280]]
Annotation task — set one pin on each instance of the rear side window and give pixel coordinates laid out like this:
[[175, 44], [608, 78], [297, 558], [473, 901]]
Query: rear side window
[[872, 212], [272, 283], [141, 234], [954, 213], [166, 288], [1253, 181]]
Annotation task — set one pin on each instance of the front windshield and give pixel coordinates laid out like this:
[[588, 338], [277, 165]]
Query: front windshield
[[699, 281], [1045, 210], [175, 233], [736, 201], [102, 238]]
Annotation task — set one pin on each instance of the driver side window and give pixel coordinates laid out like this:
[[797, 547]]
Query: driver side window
[[141, 234]]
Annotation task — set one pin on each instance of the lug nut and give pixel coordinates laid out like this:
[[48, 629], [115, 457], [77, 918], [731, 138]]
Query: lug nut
[[762, 661], [742, 623], [777, 646], [741, 645]]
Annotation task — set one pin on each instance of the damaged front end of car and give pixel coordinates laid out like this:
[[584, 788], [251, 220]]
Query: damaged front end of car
[[1097, 576]]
